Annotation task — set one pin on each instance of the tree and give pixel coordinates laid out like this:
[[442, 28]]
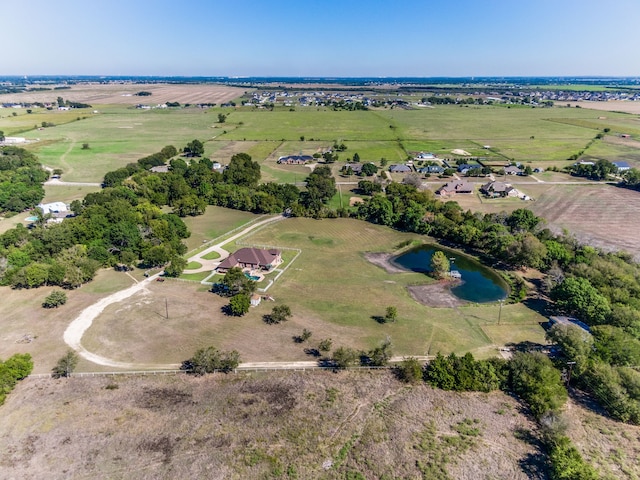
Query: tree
[[242, 171], [66, 365], [409, 370], [577, 296], [369, 169], [381, 355], [85, 146], [210, 359], [239, 304], [439, 265], [356, 157], [306, 335], [535, 379], [175, 267], [222, 118], [2, 137], [195, 148], [344, 357], [55, 299], [325, 345], [279, 313], [391, 314], [235, 282]]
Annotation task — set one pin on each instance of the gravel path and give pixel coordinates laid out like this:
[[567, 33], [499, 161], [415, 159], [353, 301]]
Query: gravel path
[[76, 329]]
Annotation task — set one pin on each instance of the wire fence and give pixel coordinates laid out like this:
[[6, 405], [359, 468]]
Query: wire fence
[[241, 369]]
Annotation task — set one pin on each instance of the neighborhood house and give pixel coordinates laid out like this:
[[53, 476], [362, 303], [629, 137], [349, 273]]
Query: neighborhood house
[[295, 159], [498, 189], [251, 259], [457, 186], [400, 169]]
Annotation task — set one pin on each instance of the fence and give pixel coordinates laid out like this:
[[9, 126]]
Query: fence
[[240, 369]]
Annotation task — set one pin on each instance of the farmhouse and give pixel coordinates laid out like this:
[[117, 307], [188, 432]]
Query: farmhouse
[[14, 140], [252, 259], [437, 169], [498, 189], [295, 159], [622, 166], [400, 168], [54, 208], [568, 321], [457, 186], [512, 170], [425, 156], [356, 168]]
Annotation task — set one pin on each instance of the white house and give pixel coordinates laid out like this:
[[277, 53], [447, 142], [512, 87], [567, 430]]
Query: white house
[[53, 207]]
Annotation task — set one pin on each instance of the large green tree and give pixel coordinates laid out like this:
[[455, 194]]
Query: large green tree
[[577, 296], [242, 171]]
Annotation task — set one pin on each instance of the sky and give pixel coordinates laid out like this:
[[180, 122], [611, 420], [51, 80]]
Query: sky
[[329, 38]]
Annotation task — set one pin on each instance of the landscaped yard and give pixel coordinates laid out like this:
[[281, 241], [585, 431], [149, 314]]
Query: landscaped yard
[[332, 290]]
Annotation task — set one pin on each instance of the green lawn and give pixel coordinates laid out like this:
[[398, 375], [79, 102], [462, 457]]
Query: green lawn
[[216, 221], [119, 135], [333, 282]]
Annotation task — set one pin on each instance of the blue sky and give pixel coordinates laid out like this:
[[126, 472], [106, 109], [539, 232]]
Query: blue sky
[[321, 38]]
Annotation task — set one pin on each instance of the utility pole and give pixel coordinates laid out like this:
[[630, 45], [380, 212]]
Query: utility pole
[[570, 364], [500, 311], [166, 306]]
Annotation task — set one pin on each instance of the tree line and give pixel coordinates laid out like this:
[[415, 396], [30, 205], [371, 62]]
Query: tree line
[[21, 179]]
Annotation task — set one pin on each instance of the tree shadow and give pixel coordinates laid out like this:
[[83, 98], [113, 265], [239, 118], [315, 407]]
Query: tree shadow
[[538, 305], [527, 346], [314, 352], [378, 318], [534, 464]]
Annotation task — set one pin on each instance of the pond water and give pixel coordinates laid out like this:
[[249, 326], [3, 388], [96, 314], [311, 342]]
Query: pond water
[[479, 283]]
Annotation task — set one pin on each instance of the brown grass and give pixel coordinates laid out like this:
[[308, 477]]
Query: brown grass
[[22, 314], [258, 426], [611, 106], [124, 94], [602, 216], [612, 447]]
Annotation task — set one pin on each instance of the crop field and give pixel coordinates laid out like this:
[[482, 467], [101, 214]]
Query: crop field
[[312, 425], [601, 215], [125, 94]]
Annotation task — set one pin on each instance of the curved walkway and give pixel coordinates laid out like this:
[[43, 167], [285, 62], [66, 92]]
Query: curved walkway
[[76, 329]]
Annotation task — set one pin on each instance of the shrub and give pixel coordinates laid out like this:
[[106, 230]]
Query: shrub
[[55, 299]]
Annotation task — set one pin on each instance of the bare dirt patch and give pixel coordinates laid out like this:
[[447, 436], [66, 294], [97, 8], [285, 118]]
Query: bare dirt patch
[[355, 201], [383, 260], [279, 425], [435, 295]]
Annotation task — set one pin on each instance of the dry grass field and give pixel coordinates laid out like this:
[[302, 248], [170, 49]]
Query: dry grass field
[[612, 447], [610, 106], [23, 317], [312, 425], [124, 94], [600, 215]]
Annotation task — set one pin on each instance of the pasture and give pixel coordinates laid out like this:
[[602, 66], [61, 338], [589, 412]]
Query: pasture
[[311, 425], [120, 134]]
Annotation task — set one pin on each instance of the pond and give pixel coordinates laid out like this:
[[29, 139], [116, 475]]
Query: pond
[[479, 284]]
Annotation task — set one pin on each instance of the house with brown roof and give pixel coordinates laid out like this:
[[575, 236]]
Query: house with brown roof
[[498, 189], [252, 259], [457, 186]]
